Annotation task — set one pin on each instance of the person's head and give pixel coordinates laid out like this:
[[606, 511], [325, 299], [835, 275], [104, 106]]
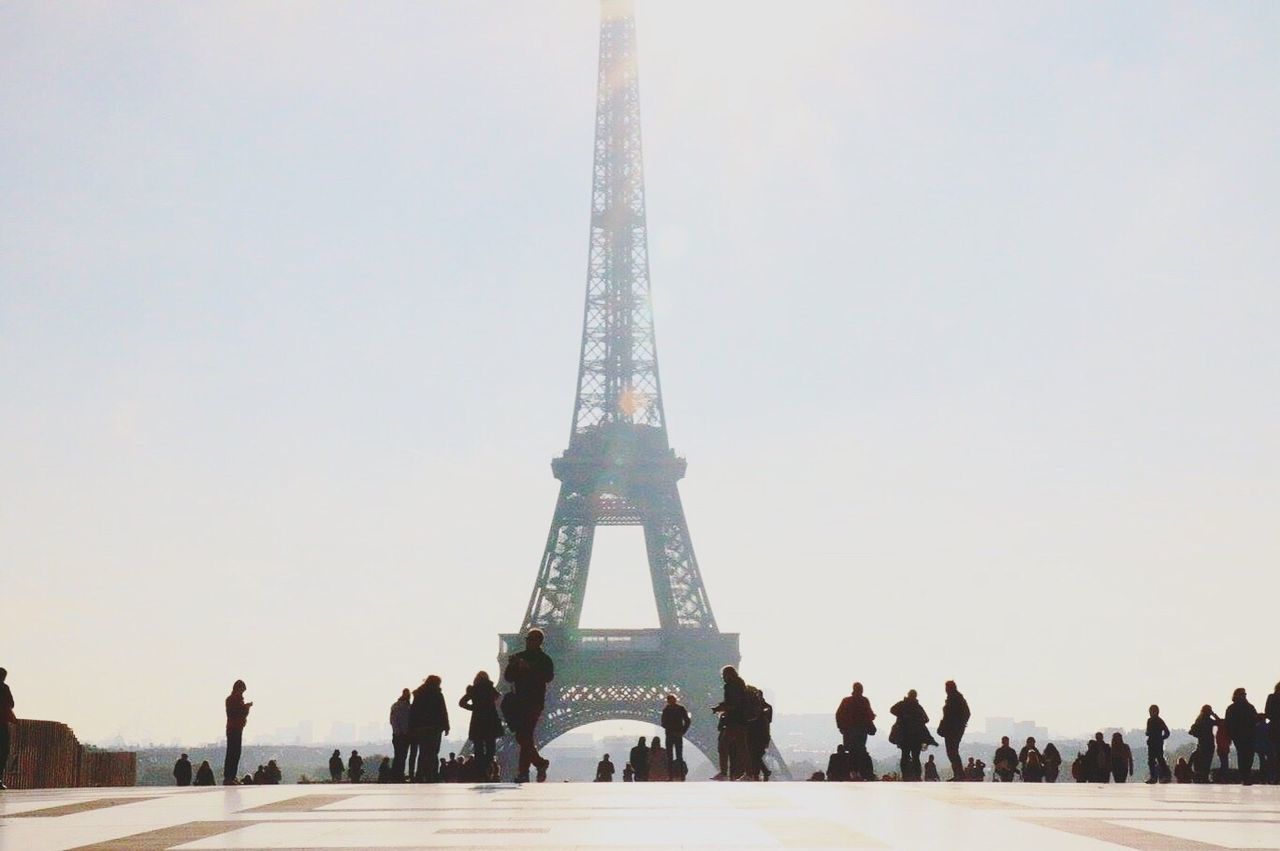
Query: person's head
[[481, 677], [606, 757], [204, 764], [1097, 737], [534, 638], [671, 700], [911, 695], [4, 673], [404, 694], [840, 749], [1154, 710], [1116, 738], [857, 688], [1031, 741], [239, 687], [1004, 740], [1238, 694], [642, 742], [355, 752], [1206, 710], [728, 673], [2, 680], [184, 756], [337, 752], [930, 759], [950, 686], [432, 681], [656, 743], [271, 763]]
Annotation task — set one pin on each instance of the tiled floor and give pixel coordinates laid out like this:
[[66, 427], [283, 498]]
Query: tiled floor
[[658, 815]]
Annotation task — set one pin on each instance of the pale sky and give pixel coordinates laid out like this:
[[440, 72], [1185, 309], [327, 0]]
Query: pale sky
[[967, 317]]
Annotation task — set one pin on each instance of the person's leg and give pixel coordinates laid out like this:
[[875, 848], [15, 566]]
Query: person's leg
[[722, 746], [524, 738], [1244, 757], [432, 756], [1273, 732], [953, 756], [859, 761], [5, 746], [904, 764], [231, 765]]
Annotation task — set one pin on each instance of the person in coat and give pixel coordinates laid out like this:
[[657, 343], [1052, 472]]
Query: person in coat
[[856, 721], [1157, 732], [481, 699], [1240, 719], [910, 733], [428, 725], [955, 718], [399, 718], [1203, 731]]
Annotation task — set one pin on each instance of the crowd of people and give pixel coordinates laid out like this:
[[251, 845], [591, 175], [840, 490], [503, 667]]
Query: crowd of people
[[1250, 732]]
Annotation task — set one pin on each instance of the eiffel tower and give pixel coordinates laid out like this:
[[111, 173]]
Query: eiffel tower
[[619, 469]]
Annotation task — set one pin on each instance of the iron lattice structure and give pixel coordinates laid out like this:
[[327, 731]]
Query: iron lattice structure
[[619, 468]]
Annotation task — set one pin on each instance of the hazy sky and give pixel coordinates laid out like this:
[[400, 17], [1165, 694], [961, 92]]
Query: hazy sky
[[967, 316]]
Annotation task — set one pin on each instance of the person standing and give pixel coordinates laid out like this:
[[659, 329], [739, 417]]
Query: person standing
[[1157, 732], [399, 717], [640, 760], [1241, 718], [430, 725], [675, 723], [530, 671], [910, 733], [182, 771], [931, 770], [856, 721], [733, 725], [1272, 712], [955, 718], [237, 718], [1005, 761], [1202, 729], [657, 762], [759, 724], [1052, 762], [481, 698], [604, 770], [6, 718], [336, 768], [355, 767], [1122, 758]]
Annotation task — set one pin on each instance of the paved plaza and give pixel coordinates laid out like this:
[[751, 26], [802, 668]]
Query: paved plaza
[[657, 815]]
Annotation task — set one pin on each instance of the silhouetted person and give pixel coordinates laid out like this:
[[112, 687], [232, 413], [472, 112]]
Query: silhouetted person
[[733, 712], [355, 767], [1052, 761], [628, 774], [182, 771], [387, 772], [1272, 712], [429, 723], [1005, 761], [604, 770], [955, 717], [1203, 731], [6, 718], [1033, 767], [336, 767], [1098, 756], [401, 710], [675, 723], [1028, 750], [260, 776], [931, 770], [759, 723], [1240, 719], [274, 775], [1222, 743], [481, 698], [1157, 732], [530, 671], [856, 721], [1262, 747], [1122, 758], [640, 760], [204, 774], [840, 765], [658, 767], [237, 717], [1182, 772], [910, 733]]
